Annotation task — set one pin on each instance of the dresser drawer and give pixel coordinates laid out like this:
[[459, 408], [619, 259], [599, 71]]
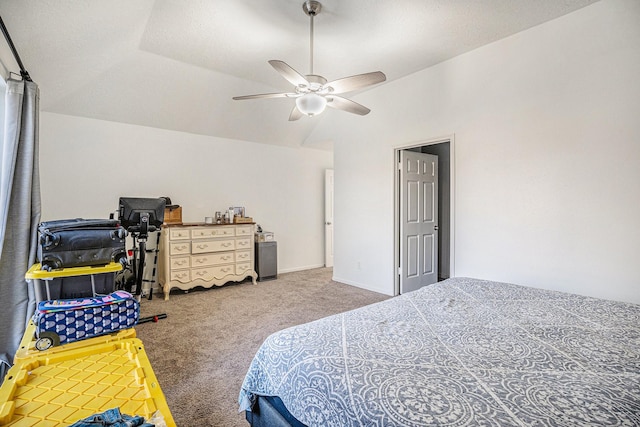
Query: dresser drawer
[[212, 259], [202, 273], [183, 276], [209, 232], [243, 256], [213, 272], [244, 230], [241, 267], [180, 262], [180, 248], [205, 246], [244, 243], [179, 233], [223, 270]]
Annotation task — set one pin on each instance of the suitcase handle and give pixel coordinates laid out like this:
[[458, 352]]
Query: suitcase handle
[[119, 233], [47, 240]]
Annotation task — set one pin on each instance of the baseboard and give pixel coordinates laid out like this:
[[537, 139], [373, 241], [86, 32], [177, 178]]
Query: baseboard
[[291, 270], [358, 285]]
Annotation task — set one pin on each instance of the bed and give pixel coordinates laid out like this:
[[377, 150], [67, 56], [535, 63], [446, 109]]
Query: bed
[[460, 352]]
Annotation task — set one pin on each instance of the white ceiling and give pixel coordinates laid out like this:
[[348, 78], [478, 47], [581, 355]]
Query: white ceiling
[[176, 64]]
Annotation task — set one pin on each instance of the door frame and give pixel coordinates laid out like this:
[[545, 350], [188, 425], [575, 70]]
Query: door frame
[[396, 207]]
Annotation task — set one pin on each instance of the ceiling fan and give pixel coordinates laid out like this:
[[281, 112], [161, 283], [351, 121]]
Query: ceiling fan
[[312, 92]]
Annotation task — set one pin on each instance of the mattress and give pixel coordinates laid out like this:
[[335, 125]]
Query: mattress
[[460, 352]]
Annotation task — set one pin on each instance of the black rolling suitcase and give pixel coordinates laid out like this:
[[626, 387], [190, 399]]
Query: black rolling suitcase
[[80, 242]]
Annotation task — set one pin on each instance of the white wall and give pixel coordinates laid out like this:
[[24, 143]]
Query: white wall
[[87, 164], [7, 61], [547, 158]]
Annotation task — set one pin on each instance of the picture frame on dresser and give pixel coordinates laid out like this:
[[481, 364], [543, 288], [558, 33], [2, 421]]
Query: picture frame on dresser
[[206, 255]]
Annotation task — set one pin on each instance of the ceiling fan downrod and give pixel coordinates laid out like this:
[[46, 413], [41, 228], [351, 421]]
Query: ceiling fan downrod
[[311, 8]]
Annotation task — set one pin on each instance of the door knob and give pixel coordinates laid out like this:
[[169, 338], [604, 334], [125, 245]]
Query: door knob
[[327, 223]]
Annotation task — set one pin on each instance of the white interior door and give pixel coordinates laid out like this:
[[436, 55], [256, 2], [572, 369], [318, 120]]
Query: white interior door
[[418, 220], [328, 218]]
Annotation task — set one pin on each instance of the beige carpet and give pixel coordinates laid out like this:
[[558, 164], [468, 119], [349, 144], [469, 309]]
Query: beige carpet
[[202, 350]]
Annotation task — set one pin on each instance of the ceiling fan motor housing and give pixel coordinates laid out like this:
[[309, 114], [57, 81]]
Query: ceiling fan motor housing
[[315, 82], [311, 7]]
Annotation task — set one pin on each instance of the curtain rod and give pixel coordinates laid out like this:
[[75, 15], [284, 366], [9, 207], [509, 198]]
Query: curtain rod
[[23, 71]]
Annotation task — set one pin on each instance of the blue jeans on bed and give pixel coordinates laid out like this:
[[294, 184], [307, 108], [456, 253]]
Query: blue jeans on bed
[[112, 418]]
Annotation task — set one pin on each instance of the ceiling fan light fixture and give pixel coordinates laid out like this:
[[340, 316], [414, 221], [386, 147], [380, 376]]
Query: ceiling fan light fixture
[[311, 104]]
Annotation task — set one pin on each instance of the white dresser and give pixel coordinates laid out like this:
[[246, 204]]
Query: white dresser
[[198, 254]]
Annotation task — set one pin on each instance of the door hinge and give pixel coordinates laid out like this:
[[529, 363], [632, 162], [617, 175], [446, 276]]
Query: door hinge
[[399, 271]]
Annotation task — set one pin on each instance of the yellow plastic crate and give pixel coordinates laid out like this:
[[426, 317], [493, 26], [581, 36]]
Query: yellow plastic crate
[[27, 348], [60, 388], [36, 275]]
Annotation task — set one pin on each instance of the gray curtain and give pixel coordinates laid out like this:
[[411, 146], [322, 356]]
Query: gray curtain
[[19, 214]]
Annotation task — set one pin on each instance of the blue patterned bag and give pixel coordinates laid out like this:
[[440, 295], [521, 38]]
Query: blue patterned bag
[[68, 320]]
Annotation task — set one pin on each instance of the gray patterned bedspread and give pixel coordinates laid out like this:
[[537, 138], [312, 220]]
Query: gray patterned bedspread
[[458, 353]]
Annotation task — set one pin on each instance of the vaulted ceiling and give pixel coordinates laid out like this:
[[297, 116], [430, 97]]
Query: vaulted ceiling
[[176, 64]]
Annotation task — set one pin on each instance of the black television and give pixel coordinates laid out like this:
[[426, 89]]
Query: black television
[[130, 209]]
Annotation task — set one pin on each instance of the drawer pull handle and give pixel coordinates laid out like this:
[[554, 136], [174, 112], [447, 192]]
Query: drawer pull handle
[[225, 258], [200, 273], [181, 248], [200, 260], [181, 275], [226, 245], [202, 246], [225, 270], [179, 263]]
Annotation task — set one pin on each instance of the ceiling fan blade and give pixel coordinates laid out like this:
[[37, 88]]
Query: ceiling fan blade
[[295, 114], [265, 95], [344, 104], [358, 81], [289, 73]]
